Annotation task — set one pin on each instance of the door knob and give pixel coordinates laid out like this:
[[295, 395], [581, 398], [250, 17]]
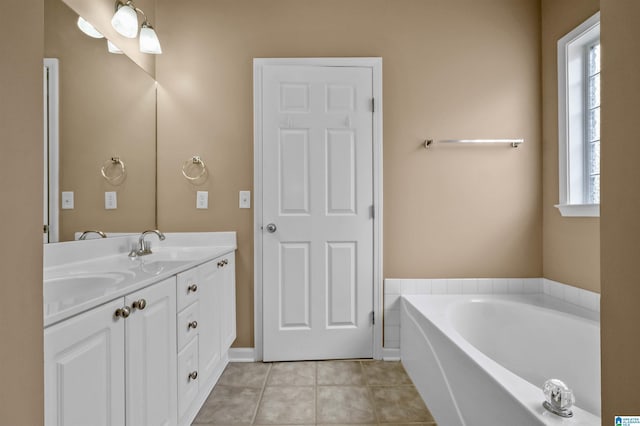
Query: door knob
[[271, 228]]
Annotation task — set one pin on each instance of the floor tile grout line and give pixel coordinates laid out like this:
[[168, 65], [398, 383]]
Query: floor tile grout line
[[264, 385], [367, 373], [370, 393]]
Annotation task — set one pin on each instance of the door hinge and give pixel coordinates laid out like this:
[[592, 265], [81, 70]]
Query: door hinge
[[46, 229], [373, 104], [373, 318], [373, 211]]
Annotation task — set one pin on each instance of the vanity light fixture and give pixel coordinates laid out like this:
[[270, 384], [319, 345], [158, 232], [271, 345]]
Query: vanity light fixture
[[125, 22], [113, 48], [149, 42], [88, 29]]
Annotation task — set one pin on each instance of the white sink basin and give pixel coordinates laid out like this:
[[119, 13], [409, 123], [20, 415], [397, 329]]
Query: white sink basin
[[156, 266], [184, 254], [83, 284]]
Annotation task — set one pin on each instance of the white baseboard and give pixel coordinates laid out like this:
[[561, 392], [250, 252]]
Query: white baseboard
[[249, 354], [391, 354], [242, 355]]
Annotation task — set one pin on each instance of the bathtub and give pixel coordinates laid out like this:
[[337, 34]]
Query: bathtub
[[482, 360]]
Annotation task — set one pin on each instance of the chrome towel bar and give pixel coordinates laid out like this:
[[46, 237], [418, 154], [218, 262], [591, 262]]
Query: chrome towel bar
[[514, 142]]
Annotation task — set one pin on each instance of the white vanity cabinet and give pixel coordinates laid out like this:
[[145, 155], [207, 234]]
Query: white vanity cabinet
[[150, 357], [228, 279], [206, 312], [136, 342], [84, 369], [103, 368]]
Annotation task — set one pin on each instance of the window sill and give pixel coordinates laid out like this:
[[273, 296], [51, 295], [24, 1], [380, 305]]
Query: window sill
[[579, 210]]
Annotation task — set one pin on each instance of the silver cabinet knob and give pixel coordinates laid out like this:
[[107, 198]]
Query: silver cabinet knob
[[271, 228], [193, 375], [139, 304], [123, 312], [192, 288], [192, 324]]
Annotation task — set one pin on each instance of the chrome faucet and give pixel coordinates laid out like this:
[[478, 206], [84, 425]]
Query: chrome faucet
[[85, 233], [559, 398], [144, 247]]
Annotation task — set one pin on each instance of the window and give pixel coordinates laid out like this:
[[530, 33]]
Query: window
[[579, 119], [593, 122]]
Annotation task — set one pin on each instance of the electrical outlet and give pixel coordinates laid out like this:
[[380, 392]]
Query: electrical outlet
[[110, 200], [202, 200], [245, 199], [67, 200]]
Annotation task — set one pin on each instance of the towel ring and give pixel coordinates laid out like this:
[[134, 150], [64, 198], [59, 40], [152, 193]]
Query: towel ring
[[110, 164], [194, 160]]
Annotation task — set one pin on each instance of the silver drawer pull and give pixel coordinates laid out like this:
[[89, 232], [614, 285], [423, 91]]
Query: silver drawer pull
[[193, 375], [192, 288], [192, 324]]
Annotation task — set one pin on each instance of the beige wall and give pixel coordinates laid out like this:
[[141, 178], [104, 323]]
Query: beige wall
[[620, 228], [21, 372], [571, 246], [451, 69], [107, 109], [206, 124]]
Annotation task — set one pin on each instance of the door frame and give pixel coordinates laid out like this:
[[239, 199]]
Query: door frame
[[375, 64], [51, 144]]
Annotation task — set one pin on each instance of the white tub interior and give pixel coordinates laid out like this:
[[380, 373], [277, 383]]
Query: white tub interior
[[535, 343], [503, 346]]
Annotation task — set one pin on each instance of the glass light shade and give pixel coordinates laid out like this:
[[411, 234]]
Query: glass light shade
[[113, 48], [88, 29], [149, 42], [125, 21]]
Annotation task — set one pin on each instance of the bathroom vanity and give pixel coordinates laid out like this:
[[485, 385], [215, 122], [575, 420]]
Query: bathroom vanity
[[136, 340]]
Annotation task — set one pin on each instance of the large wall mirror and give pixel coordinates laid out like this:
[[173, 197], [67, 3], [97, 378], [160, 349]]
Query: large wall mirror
[[106, 110]]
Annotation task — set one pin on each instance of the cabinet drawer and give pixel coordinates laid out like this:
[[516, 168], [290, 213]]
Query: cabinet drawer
[[188, 321], [188, 288], [188, 379]]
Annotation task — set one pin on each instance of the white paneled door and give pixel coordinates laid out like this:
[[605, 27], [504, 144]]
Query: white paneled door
[[317, 176]]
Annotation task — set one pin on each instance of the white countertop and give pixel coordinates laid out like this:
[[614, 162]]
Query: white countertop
[[81, 275]]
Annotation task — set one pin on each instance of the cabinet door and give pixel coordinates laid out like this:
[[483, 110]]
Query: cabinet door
[[84, 369], [228, 283], [188, 377], [209, 325], [151, 355]]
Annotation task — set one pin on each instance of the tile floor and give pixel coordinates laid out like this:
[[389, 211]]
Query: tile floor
[[317, 392]]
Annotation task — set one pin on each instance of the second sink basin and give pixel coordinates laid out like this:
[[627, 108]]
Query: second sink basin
[[82, 284], [184, 254], [155, 266]]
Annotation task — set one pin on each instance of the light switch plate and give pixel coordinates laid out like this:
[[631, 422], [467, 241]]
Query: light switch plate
[[202, 200], [67, 200], [245, 199], [110, 200]]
